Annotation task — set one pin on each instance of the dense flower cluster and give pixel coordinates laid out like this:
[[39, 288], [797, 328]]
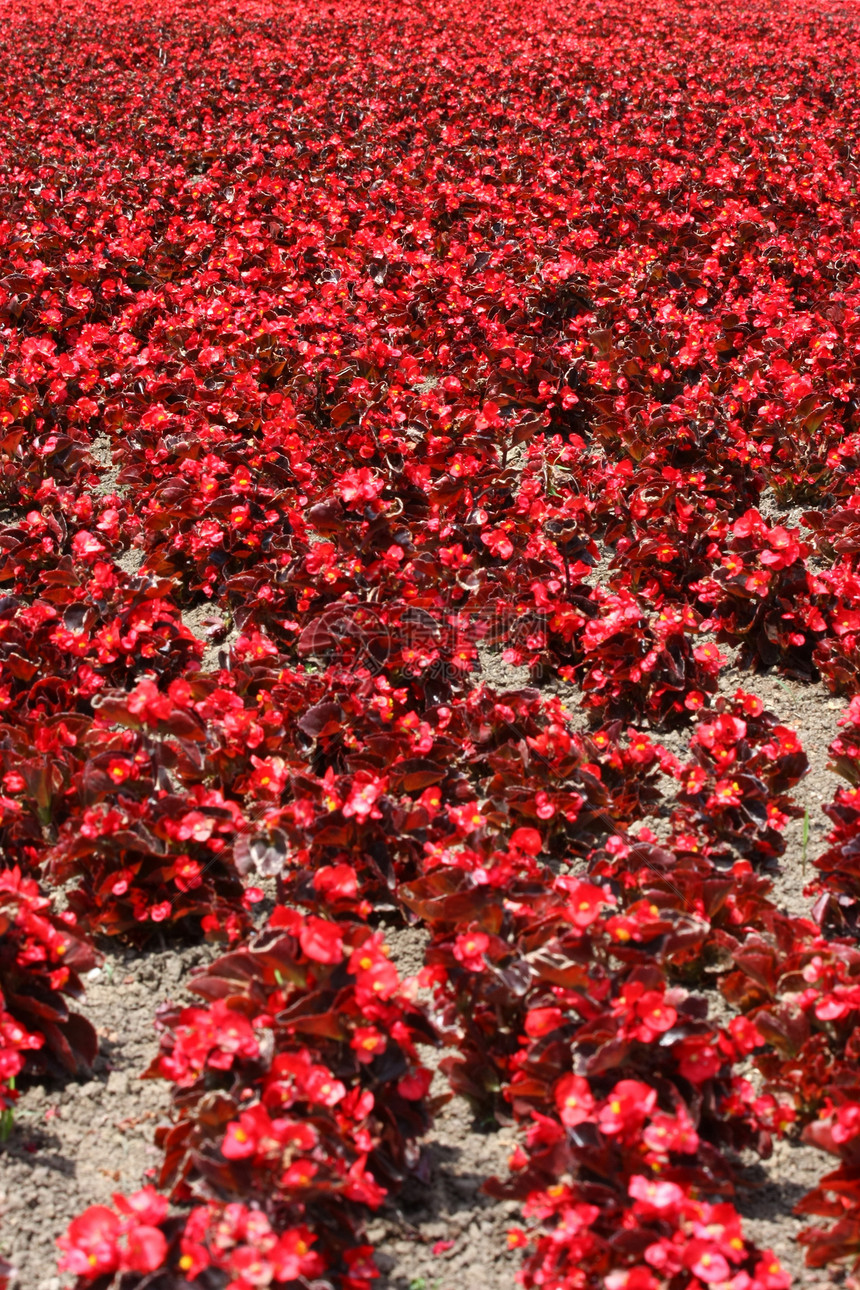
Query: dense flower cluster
[[352, 357], [299, 1087], [300, 1096], [41, 957]]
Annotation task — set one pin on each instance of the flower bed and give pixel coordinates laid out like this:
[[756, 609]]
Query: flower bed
[[349, 356]]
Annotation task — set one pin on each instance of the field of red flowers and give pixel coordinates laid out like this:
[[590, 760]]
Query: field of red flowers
[[425, 428]]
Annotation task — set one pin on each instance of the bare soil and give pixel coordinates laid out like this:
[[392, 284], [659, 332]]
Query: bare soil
[[75, 1143]]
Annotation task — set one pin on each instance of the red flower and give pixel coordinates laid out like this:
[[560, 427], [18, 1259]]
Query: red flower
[[336, 882], [368, 1043], [626, 1108], [698, 1058], [470, 948], [145, 1251], [770, 1274], [637, 1278], [240, 1140], [705, 1261], [375, 975], [321, 940], [585, 902], [541, 1021], [663, 1198], [145, 1206], [498, 543], [91, 1244], [528, 840], [574, 1100]]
